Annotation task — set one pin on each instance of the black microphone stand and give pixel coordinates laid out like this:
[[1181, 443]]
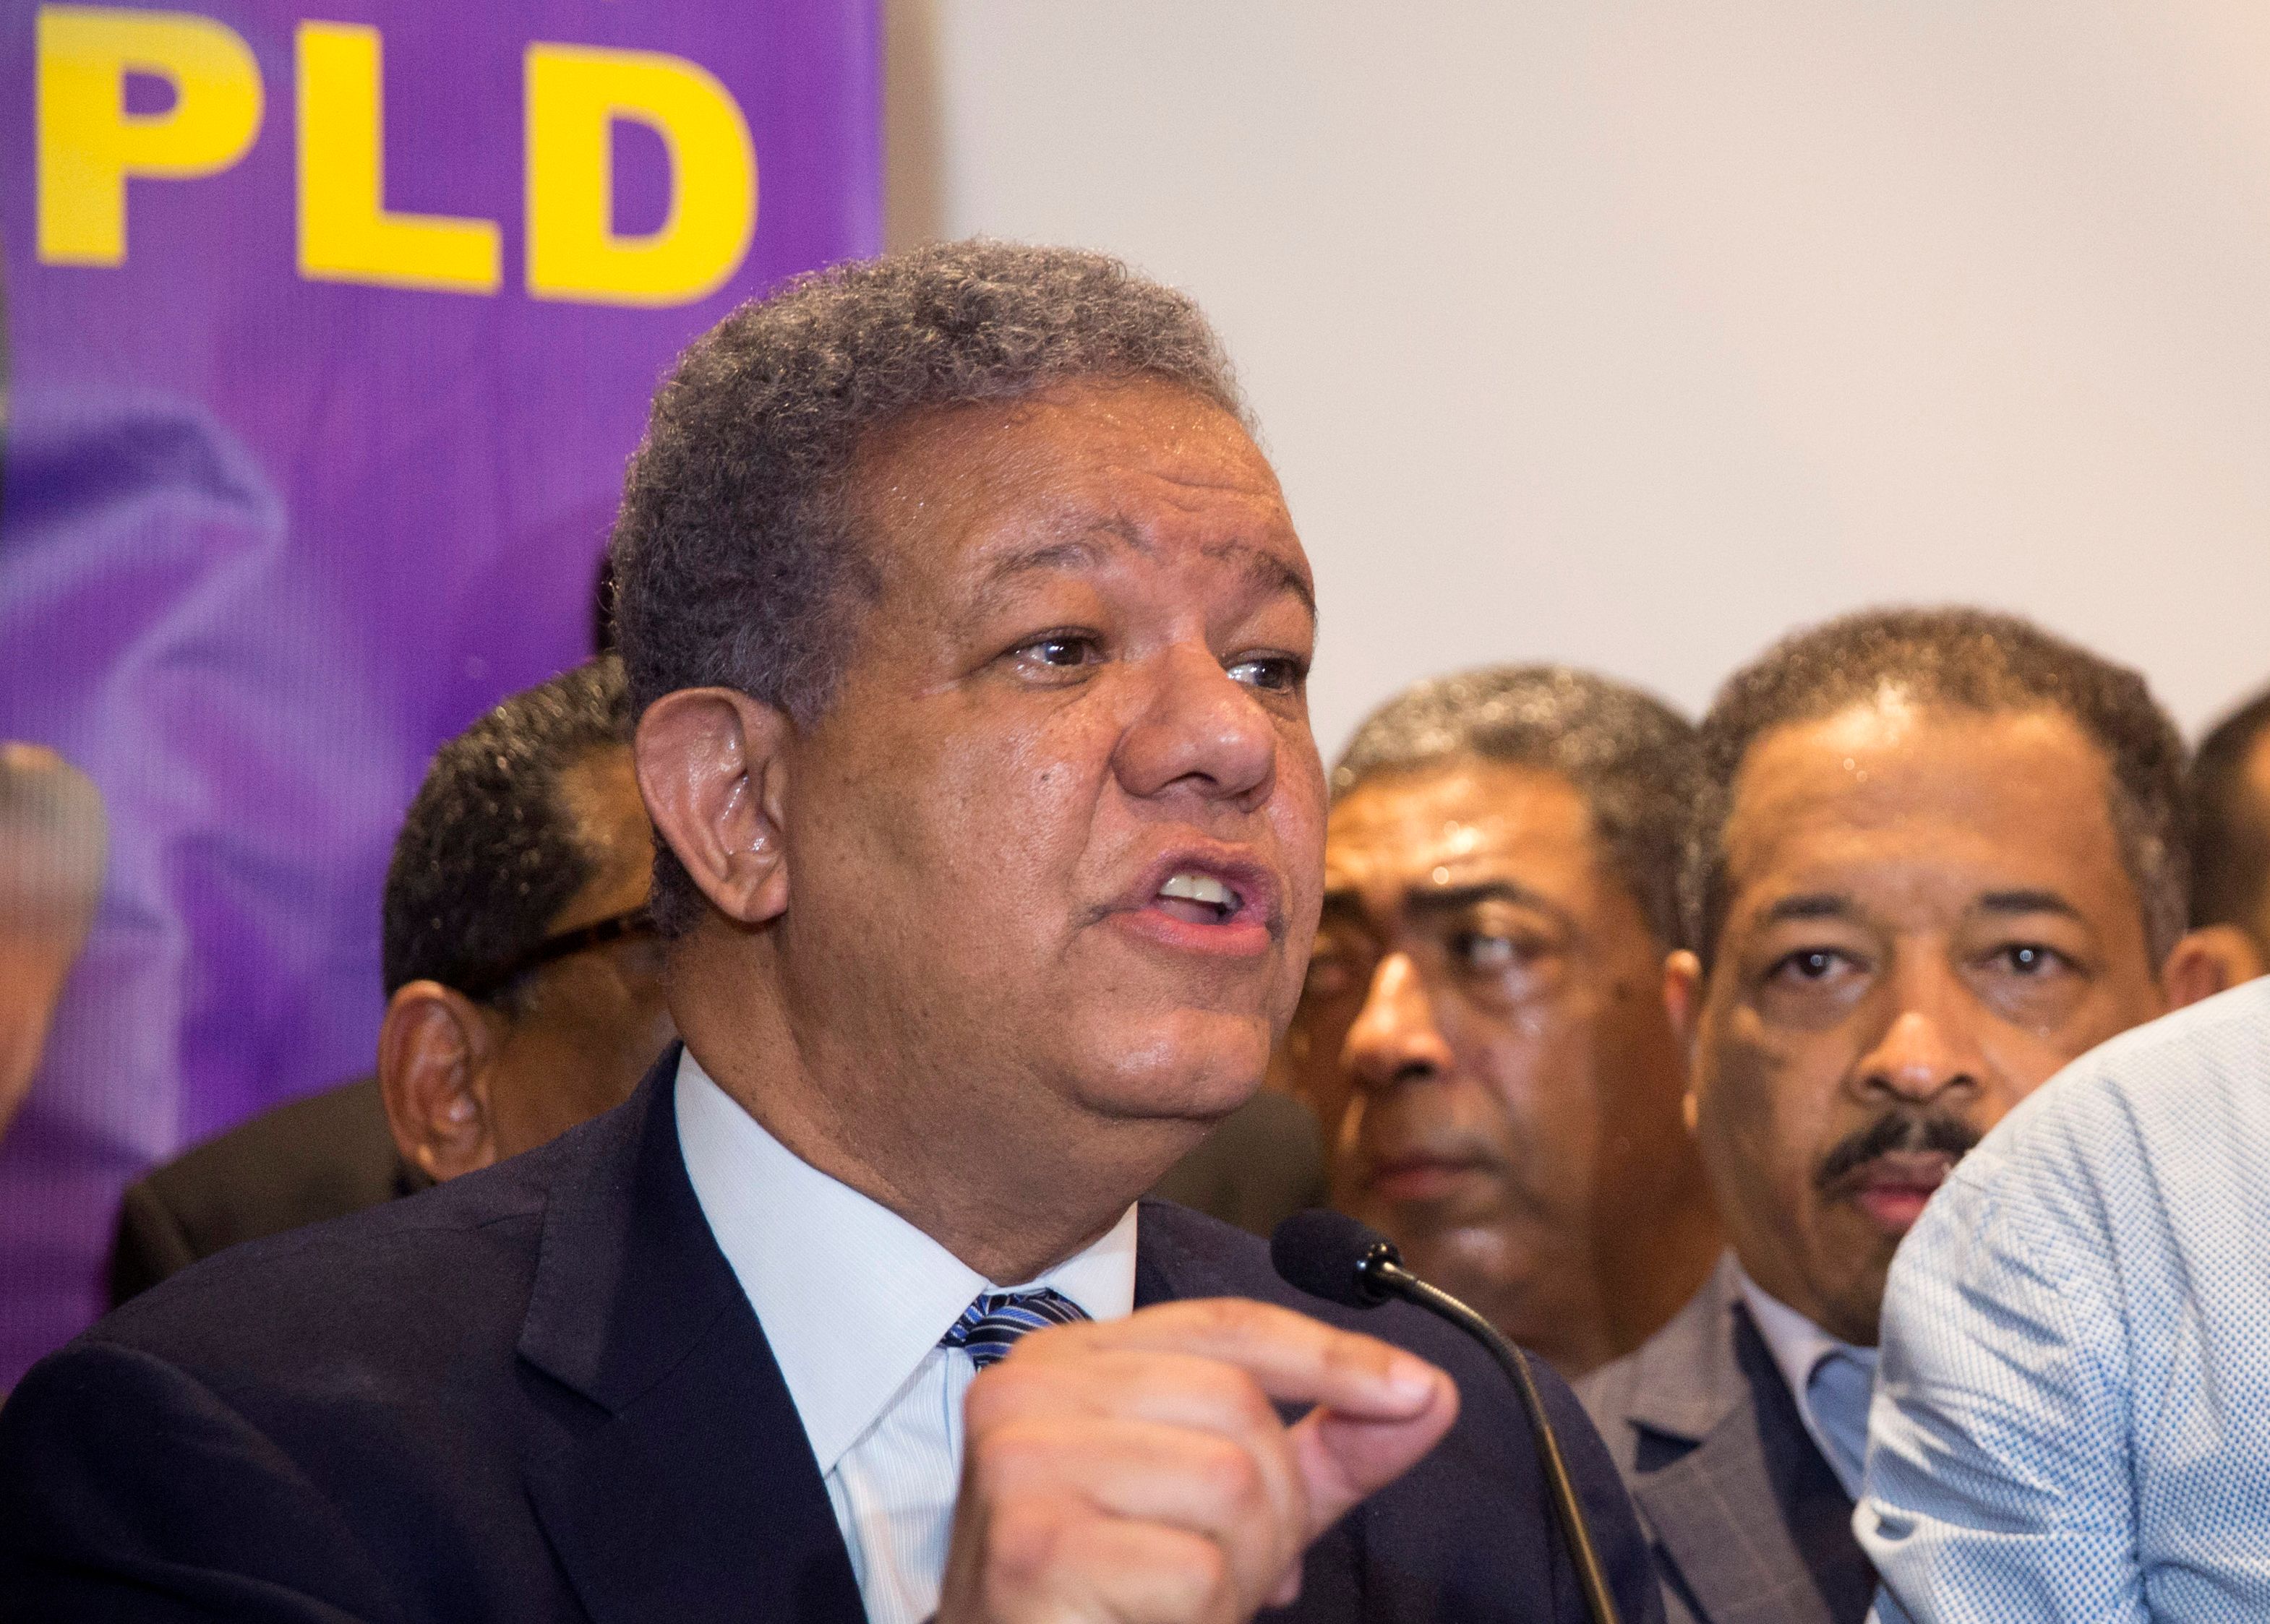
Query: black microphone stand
[[1383, 1272]]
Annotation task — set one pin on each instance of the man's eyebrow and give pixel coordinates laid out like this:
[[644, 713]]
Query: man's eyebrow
[[1085, 546], [1269, 571], [1808, 905], [2027, 901], [1454, 898], [1075, 546]]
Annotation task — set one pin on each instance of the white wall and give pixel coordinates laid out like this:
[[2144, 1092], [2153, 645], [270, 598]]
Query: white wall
[[1635, 334]]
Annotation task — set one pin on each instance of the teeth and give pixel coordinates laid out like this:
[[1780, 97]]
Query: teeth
[[1200, 888]]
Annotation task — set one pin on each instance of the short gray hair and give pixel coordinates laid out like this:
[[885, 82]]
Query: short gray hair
[[1627, 753], [735, 559]]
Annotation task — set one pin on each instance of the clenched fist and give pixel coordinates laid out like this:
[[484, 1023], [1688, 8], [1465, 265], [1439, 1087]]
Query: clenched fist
[[1138, 1473]]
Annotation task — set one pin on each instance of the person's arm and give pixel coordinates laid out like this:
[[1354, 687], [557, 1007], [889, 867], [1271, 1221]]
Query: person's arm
[[1999, 1480], [131, 1491]]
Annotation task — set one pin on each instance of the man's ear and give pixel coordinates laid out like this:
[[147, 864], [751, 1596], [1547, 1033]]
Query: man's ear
[[1683, 1007], [713, 769], [2210, 959], [434, 1047]]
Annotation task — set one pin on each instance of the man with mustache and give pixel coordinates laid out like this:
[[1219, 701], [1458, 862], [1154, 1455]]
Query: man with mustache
[[1936, 855], [968, 633]]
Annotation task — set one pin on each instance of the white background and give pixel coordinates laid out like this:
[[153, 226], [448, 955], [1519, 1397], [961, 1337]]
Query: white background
[[1634, 335]]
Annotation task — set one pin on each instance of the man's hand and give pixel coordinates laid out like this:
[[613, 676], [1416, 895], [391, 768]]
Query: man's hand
[[1137, 1473]]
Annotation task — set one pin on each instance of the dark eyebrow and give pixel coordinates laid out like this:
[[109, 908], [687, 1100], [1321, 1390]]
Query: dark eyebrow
[[1081, 549], [1446, 899], [1268, 571], [1809, 904], [2025, 902], [1086, 547], [1456, 898]]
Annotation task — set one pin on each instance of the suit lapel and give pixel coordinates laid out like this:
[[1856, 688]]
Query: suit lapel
[[1739, 1514], [678, 1483]]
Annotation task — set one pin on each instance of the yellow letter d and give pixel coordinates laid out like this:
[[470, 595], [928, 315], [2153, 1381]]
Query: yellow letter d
[[574, 94]]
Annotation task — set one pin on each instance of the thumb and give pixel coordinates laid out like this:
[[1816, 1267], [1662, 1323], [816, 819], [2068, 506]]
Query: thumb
[[1344, 1458]]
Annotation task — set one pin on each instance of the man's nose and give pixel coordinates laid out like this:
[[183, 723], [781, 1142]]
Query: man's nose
[[1395, 1039], [1201, 729], [1927, 1052]]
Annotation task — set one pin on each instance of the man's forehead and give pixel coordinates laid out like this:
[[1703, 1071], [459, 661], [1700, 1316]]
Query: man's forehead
[[1400, 826], [1075, 541], [2034, 771], [1078, 481], [2016, 806]]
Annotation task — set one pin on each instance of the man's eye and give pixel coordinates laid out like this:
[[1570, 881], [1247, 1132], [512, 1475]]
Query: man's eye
[[1480, 951], [2028, 959], [1060, 650], [1809, 965], [1275, 674]]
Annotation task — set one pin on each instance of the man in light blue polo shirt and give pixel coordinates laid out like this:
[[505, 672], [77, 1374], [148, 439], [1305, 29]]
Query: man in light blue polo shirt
[[2071, 1418]]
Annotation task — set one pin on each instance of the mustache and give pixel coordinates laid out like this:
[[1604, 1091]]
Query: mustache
[[1914, 1131]]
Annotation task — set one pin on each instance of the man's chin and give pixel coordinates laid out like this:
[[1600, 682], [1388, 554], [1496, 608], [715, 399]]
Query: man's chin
[[1195, 1065]]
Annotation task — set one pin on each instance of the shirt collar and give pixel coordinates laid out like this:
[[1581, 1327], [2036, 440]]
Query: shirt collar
[[1796, 1343], [851, 1296]]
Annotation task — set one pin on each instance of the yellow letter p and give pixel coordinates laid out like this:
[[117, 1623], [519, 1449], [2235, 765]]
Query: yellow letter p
[[89, 143], [574, 95]]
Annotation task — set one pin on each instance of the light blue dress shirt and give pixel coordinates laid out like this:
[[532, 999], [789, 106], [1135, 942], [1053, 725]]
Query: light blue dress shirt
[[2071, 1418], [1829, 1379]]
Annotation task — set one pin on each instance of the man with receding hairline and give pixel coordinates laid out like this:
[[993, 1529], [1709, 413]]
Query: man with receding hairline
[[1936, 853], [969, 634], [1483, 1019]]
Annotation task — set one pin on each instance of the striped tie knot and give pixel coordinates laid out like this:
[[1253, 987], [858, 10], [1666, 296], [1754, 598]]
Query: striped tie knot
[[989, 1327]]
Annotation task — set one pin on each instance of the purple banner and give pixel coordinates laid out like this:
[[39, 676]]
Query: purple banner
[[327, 337]]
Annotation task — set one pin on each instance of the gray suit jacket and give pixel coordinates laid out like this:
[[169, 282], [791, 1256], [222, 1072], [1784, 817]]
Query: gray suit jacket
[[1748, 1524]]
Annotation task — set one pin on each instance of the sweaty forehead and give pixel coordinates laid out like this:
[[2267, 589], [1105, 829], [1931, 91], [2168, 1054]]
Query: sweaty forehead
[[1066, 479], [1884, 788], [1398, 827]]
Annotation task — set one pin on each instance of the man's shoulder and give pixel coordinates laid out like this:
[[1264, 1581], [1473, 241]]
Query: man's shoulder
[[1681, 1383], [450, 1266], [320, 1157]]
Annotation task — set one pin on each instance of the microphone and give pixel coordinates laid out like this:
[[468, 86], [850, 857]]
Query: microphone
[[1331, 1255]]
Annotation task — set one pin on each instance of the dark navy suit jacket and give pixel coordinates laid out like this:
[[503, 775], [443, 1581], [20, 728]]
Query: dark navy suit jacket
[[538, 1393]]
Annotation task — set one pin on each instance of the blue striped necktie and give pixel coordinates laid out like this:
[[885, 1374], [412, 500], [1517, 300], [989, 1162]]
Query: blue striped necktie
[[989, 1327]]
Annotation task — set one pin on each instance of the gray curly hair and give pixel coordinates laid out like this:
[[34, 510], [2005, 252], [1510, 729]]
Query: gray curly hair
[[1630, 756], [736, 560]]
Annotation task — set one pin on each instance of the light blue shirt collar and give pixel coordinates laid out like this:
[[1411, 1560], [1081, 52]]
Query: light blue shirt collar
[[1798, 1346], [851, 1296]]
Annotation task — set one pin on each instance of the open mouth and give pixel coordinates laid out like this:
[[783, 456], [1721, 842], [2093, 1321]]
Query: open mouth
[[1213, 903], [1198, 899]]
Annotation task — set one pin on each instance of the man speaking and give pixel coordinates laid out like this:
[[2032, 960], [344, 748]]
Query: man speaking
[[970, 632]]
